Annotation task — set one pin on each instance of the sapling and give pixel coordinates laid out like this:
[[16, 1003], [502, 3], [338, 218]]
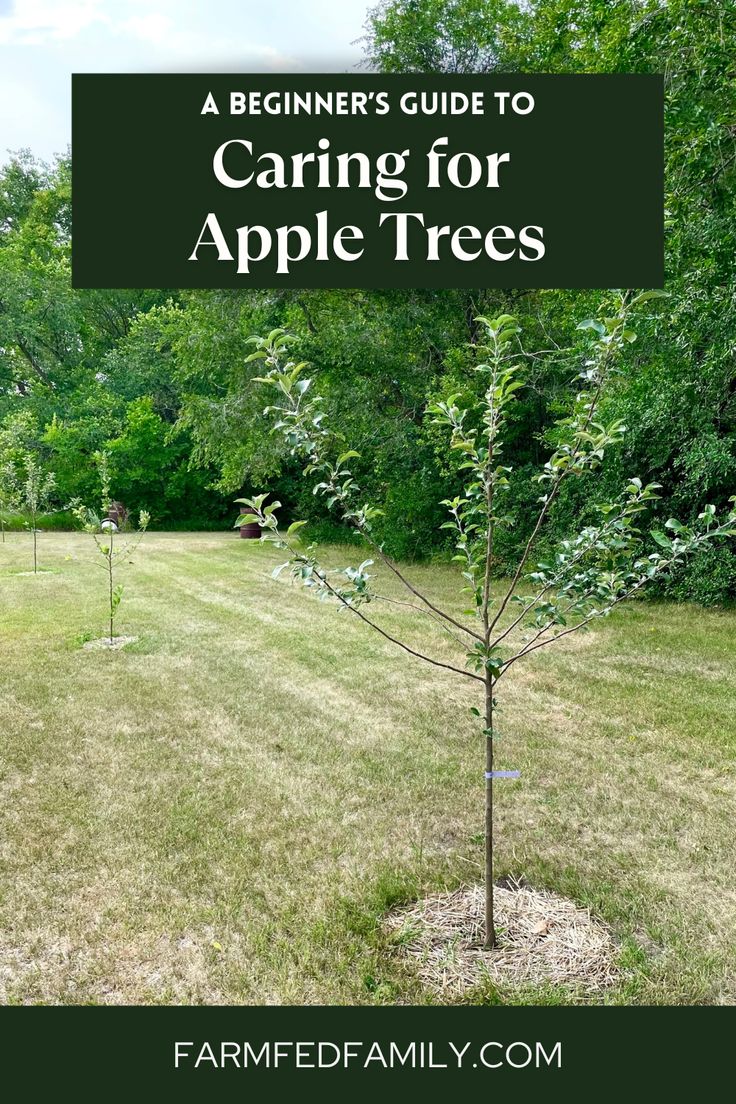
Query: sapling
[[34, 488], [114, 548], [581, 580], [9, 496]]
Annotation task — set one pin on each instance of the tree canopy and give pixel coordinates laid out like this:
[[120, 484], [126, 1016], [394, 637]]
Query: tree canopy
[[158, 379]]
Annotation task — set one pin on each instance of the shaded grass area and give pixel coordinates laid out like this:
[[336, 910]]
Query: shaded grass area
[[223, 810]]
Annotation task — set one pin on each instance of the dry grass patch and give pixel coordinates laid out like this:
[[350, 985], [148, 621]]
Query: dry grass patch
[[543, 938], [262, 773]]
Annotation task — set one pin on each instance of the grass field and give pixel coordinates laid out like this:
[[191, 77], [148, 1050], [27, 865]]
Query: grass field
[[224, 810]]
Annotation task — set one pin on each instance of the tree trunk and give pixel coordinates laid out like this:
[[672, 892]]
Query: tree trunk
[[110, 582], [35, 554], [490, 926]]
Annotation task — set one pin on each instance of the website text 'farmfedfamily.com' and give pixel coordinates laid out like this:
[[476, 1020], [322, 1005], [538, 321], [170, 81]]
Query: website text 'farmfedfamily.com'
[[366, 1054]]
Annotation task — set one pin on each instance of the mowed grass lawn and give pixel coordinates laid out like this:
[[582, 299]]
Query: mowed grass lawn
[[224, 810]]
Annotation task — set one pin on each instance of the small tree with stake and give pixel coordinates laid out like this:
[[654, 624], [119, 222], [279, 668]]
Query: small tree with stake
[[112, 553], [582, 579]]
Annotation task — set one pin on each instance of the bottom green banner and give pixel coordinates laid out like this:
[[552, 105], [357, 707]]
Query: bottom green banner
[[228, 1052]]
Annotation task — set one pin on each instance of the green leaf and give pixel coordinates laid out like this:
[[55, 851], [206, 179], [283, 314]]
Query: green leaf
[[349, 455], [645, 296]]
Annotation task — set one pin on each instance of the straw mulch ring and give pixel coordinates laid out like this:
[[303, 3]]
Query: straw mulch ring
[[542, 939], [105, 642]]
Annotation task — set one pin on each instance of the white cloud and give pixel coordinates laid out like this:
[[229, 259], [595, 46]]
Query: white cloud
[[151, 27], [32, 22], [43, 41], [163, 44], [38, 122]]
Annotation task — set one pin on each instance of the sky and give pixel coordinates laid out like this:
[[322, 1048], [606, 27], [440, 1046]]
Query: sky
[[42, 42]]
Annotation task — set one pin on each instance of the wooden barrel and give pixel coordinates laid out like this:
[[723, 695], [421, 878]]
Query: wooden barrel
[[249, 531]]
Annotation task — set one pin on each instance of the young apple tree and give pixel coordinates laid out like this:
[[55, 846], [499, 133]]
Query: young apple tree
[[579, 582], [112, 552], [9, 495], [34, 487]]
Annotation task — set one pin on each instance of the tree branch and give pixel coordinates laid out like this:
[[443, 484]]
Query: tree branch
[[533, 646], [549, 499], [399, 643], [425, 613], [579, 555], [410, 586]]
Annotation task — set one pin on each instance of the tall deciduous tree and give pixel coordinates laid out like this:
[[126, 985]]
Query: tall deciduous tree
[[678, 393]]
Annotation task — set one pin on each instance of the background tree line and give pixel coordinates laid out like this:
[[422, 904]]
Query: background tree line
[[158, 379]]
